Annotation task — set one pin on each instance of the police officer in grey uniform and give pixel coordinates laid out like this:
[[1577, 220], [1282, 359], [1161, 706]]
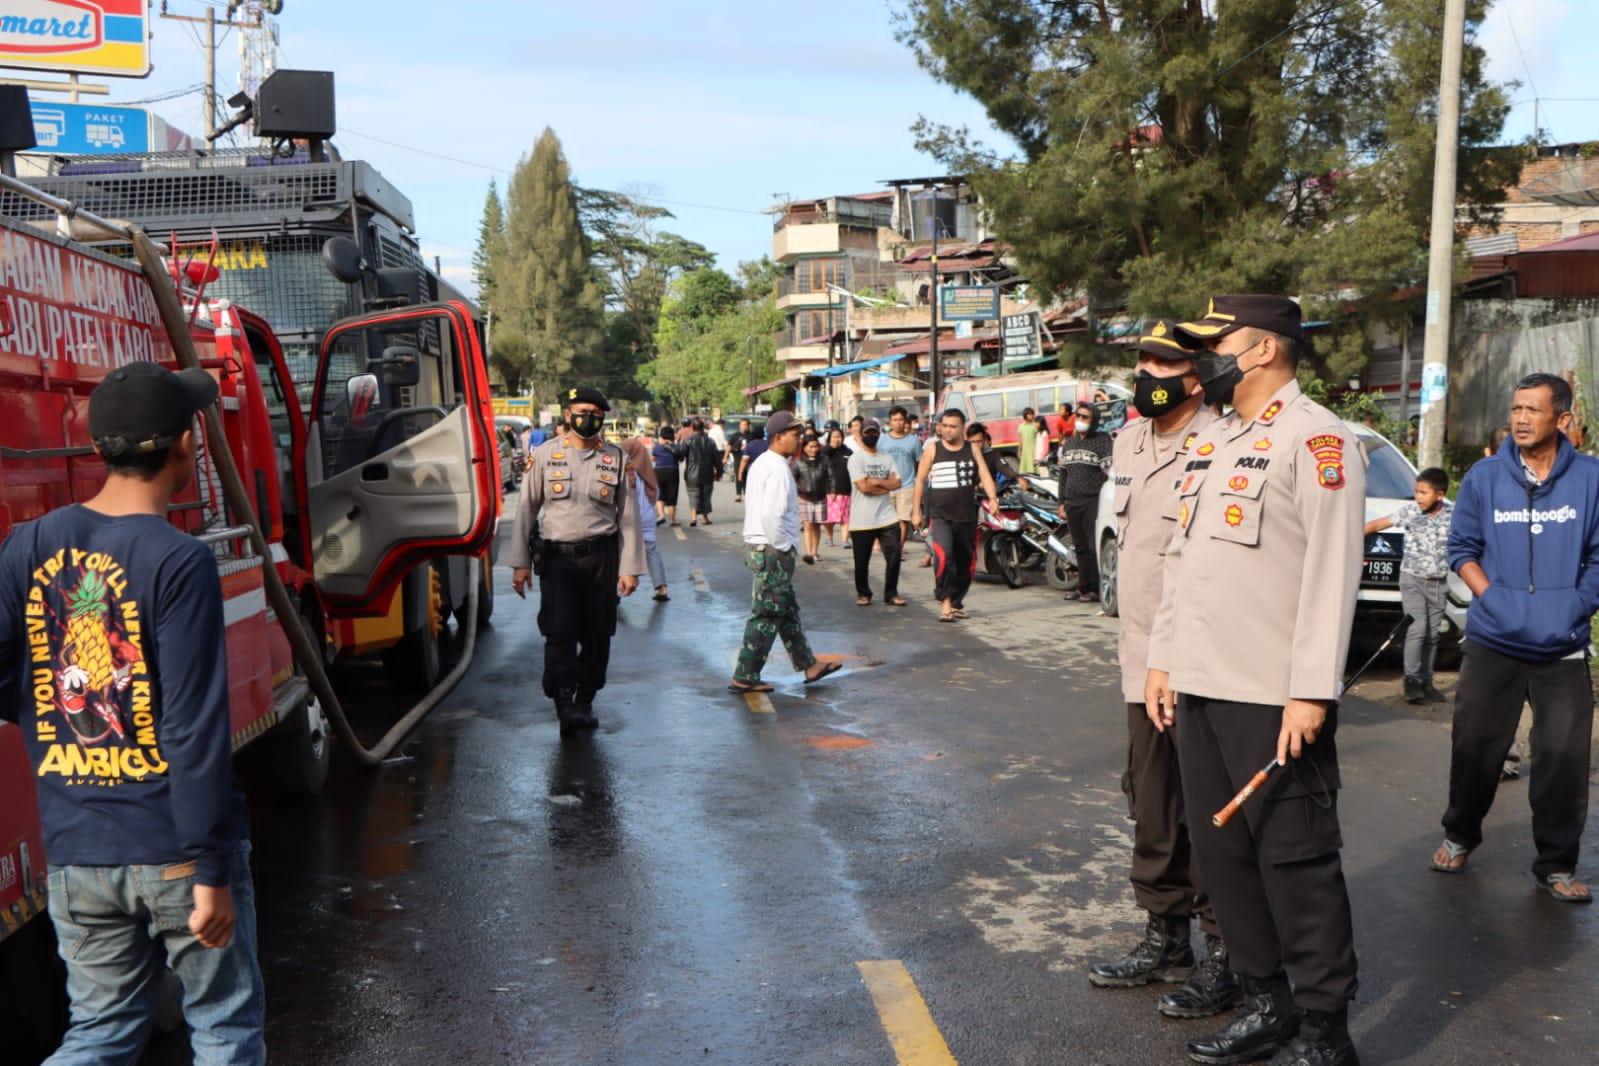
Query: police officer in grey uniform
[[1246, 660], [1147, 465], [576, 528]]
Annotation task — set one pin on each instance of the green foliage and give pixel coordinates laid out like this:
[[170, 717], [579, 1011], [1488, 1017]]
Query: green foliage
[[548, 288], [715, 336], [489, 255], [1174, 149], [633, 264]]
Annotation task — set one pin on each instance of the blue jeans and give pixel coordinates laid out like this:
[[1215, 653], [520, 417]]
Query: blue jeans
[[109, 921]]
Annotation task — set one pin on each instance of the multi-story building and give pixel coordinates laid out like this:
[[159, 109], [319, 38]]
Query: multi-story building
[[857, 293]]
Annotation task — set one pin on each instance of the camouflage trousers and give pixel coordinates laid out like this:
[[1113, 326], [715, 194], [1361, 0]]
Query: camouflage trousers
[[774, 613]]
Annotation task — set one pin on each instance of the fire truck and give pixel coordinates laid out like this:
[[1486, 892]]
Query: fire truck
[[262, 218], [371, 461]]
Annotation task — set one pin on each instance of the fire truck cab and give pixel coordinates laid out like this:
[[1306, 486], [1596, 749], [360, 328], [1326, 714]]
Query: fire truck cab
[[389, 471]]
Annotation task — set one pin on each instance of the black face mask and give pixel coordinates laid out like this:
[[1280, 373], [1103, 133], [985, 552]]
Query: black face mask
[[588, 424], [1153, 397], [871, 438], [1220, 375]]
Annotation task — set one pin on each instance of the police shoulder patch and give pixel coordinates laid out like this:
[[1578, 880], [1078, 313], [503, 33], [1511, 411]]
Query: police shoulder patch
[[1272, 410], [1328, 450]]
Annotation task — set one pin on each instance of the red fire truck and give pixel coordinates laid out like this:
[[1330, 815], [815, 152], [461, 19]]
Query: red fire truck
[[391, 468]]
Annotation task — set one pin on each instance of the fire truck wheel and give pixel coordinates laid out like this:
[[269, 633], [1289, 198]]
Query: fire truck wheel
[[417, 661], [305, 751]]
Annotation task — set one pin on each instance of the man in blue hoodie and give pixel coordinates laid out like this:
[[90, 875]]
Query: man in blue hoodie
[[1525, 538]]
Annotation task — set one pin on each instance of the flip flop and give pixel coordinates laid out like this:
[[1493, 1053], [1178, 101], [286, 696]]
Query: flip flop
[[1454, 857], [897, 601], [827, 668], [864, 601], [1565, 888], [741, 688], [949, 617]]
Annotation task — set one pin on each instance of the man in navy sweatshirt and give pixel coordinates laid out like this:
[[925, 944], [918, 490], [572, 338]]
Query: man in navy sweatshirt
[[113, 618], [1525, 538]]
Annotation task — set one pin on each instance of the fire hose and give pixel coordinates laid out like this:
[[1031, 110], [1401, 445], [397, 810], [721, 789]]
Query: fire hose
[[234, 493]]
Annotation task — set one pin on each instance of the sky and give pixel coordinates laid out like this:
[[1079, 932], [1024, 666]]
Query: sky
[[714, 109]]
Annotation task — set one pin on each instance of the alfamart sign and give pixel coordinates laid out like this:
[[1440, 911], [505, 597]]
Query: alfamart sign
[[82, 36]]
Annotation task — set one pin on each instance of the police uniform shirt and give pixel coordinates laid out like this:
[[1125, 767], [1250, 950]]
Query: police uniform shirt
[[577, 494], [1265, 560], [1147, 468]]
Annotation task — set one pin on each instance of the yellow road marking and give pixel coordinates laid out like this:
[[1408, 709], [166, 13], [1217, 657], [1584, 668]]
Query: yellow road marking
[[698, 577], [759, 703], [905, 1017]]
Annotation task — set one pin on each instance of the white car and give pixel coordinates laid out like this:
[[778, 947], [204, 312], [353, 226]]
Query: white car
[[1390, 484]]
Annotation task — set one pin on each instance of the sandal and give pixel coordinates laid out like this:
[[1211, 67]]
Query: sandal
[[808, 560], [897, 601], [959, 612], [1450, 858], [949, 616], [742, 687], [660, 595], [1566, 888], [826, 668], [864, 601]]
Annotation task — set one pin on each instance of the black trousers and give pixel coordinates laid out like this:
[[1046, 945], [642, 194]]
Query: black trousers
[[954, 547], [1166, 879], [862, 540], [1274, 873], [577, 615], [699, 496], [1080, 520], [1488, 704]]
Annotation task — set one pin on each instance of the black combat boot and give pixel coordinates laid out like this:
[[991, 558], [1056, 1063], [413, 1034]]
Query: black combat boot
[[566, 710], [1430, 692], [1211, 988], [1323, 1040], [1414, 692], [1163, 955], [583, 709], [1267, 1020]]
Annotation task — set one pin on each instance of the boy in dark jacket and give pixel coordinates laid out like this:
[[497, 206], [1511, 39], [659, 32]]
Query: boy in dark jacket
[[1525, 538]]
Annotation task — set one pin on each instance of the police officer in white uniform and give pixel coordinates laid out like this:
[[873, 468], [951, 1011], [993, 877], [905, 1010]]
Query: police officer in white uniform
[[575, 527], [1252, 635]]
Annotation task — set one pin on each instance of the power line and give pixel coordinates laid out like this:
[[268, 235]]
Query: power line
[[1514, 37], [503, 172]]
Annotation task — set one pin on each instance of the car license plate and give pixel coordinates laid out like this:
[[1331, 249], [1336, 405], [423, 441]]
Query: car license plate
[[1380, 572]]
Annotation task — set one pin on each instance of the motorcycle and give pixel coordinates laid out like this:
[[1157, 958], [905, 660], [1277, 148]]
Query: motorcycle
[[999, 540], [1047, 532]]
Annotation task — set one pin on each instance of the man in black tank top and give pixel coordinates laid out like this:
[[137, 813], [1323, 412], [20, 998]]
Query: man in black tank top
[[947, 477]]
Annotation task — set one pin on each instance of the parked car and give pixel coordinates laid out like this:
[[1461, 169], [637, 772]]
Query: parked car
[[513, 458], [1390, 483]]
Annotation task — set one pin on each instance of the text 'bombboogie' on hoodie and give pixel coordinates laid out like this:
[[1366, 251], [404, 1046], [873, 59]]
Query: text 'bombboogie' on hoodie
[[1539, 546]]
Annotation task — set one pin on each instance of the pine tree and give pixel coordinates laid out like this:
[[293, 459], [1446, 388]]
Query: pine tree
[[1170, 149], [488, 259], [548, 288]]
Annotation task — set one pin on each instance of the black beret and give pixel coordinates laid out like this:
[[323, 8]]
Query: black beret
[[585, 394]]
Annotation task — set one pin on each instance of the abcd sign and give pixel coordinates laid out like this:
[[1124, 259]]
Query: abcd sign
[[79, 36]]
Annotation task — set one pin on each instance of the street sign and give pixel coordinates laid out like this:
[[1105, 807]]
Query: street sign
[[89, 129], [78, 36], [972, 303], [1021, 337]]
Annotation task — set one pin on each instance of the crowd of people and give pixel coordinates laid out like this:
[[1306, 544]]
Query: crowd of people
[[1231, 483]]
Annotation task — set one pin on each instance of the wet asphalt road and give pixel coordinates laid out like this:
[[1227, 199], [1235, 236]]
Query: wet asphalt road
[[698, 882]]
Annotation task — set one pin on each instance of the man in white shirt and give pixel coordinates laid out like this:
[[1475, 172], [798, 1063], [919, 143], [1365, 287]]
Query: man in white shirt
[[771, 532]]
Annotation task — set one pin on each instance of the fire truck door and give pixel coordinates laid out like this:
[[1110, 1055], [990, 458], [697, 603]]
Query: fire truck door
[[398, 462]]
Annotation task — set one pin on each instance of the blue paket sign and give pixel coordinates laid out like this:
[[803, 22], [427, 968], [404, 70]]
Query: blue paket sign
[[89, 129]]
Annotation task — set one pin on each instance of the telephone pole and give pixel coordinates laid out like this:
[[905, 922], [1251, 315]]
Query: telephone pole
[[258, 57], [1441, 250]]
